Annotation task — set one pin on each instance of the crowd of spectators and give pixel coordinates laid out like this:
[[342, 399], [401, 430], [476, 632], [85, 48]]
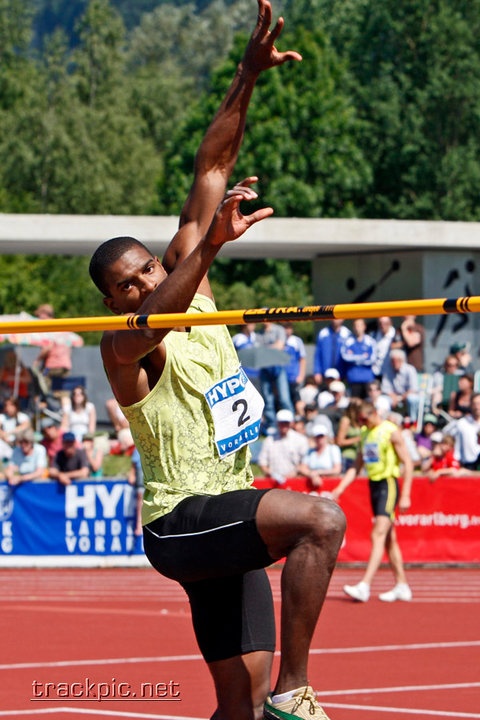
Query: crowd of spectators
[[310, 426], [316, 432]]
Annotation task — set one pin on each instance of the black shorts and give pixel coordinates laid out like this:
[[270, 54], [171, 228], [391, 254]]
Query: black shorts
[[211, 546], [384, 497]]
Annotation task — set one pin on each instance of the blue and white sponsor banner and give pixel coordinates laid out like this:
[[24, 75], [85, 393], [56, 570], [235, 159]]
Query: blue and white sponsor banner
[[87, 518]]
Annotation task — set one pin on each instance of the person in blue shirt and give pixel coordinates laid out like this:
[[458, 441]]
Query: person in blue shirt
[[296, 369], [327, 350], [358, 354]]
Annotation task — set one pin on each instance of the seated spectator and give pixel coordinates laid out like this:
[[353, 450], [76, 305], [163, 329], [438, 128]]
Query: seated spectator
[[313, 416], [135, 478], [410, 441], [335, 410], [51, 438], [79, 415], [442, 460], [15, 379], [358, 355], [94, 455], [12, 423], [461, 350], [461, 399], [400, 383], [70, 462], [325, 396], [323, 460], [442, 379], [281, 453], [308, 392], [467, 429], [28, 461], [121, 427], [423, 438], [381, 402], [349, 433]]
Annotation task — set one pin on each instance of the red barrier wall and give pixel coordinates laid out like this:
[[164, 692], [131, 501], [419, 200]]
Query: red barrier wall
[[442, 525]]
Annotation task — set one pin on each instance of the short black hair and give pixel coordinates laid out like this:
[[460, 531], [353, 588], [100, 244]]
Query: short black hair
[[106, 254]]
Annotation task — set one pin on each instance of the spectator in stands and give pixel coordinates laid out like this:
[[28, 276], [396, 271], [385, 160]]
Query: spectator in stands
[[135, 478], [323, 460], [334, 411], [313, 417], [383, 336], [51, 438], [15, 379], [29, 460], [423, 438], [12, 423], [349, 433], [79, 415], [308, 392], [442, 460], [467, 429], [55, 359], [70, 462], [408, 431], [461, 399], [442, 380], [121, 427], [246, 338], [358, 355], [327, 349], [325, 396], [295, 347], [413, 340], [400, 383], [94, 454], [281, 454], [461, 350], [273, 380], [382, 402]]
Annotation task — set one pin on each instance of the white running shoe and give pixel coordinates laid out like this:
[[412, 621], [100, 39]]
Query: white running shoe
[[360, 592], [401, 591]]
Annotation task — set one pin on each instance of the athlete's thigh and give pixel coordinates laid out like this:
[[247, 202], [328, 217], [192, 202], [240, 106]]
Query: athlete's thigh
[[286, 518]]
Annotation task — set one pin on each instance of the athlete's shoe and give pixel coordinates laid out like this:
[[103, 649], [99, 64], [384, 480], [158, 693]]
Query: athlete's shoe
[[401, 591], [302, 705], [360, 592]]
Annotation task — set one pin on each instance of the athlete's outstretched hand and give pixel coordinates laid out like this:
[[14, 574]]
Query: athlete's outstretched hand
[[229, 223], [261, 53]]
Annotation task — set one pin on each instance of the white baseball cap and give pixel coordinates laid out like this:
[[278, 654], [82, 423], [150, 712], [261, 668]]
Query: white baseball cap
[[337, 386], [285, 416], [319, 429], [332, 374]]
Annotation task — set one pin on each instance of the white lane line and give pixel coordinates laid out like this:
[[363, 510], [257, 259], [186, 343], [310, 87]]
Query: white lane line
[[183, 658], [401, 688], [401, 711]]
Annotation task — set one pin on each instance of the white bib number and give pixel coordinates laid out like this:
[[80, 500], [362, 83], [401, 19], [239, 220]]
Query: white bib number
[[236, 408]]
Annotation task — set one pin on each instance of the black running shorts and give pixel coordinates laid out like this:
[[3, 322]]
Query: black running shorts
[[384, 497], [211, 546]]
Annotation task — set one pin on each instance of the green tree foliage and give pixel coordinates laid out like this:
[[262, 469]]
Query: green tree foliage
[[417, 67], [301, 137]]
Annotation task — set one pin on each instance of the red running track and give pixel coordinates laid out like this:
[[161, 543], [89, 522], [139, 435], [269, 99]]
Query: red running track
[[70, 634]]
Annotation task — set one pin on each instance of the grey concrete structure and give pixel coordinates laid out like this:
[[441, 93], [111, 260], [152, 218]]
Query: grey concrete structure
[[352, 260]]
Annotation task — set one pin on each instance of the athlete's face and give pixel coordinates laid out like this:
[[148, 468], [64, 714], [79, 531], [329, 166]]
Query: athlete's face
[[131, 279]]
